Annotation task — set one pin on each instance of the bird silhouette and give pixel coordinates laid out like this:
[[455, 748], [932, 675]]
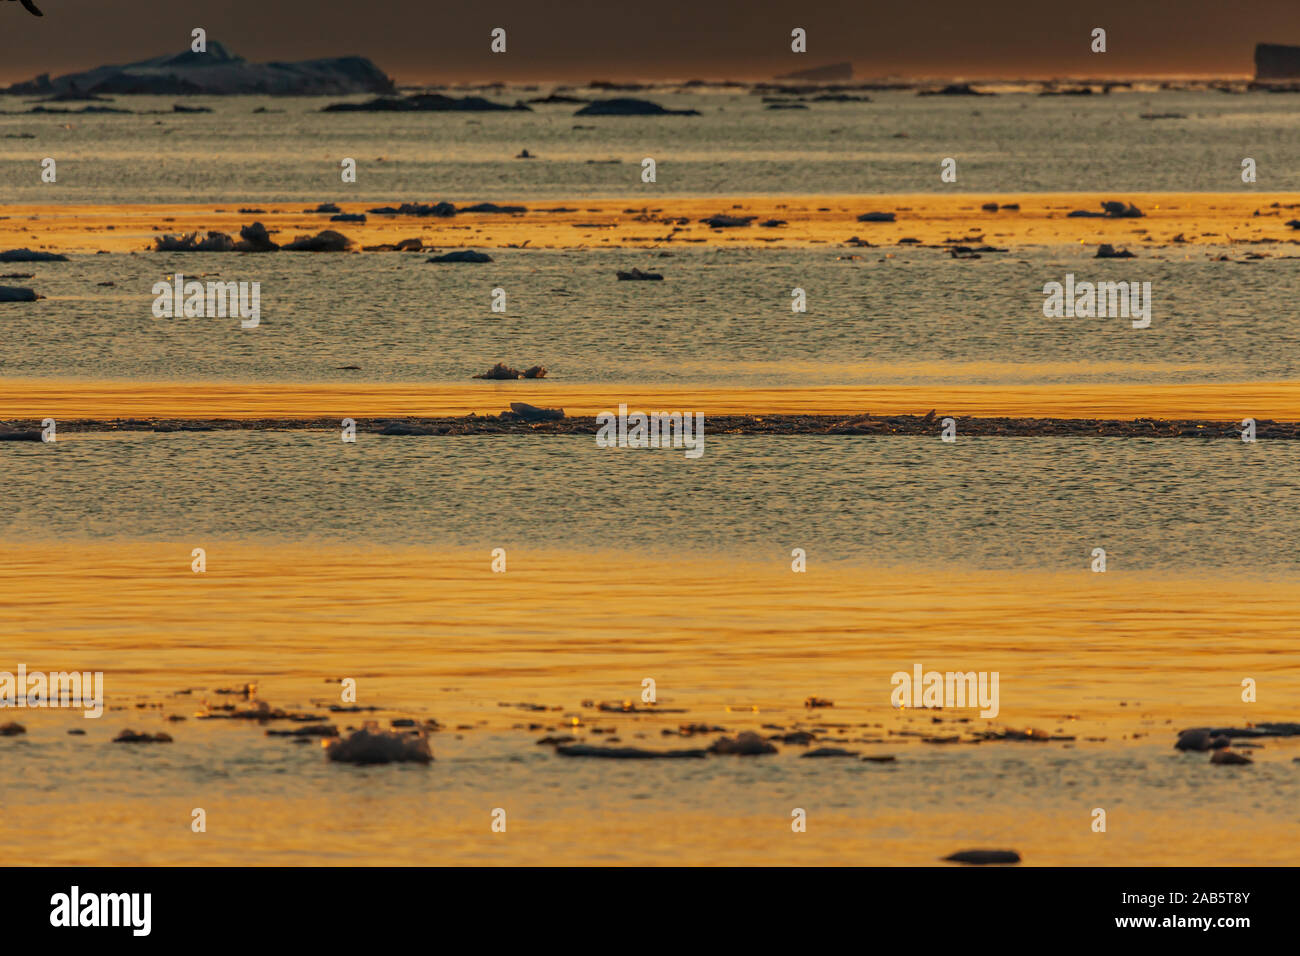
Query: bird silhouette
[[31, 8]]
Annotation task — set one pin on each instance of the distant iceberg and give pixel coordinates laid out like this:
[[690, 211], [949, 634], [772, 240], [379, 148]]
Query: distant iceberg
[[821, 74], [218, 72], [1274, 61]]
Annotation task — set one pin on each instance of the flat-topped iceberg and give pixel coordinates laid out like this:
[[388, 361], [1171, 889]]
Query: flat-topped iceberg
[[217, 72]]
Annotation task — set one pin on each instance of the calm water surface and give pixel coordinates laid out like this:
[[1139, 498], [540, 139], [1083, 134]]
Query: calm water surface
[[331, 559], [721, 317], [1155, 505], [1006, 143]]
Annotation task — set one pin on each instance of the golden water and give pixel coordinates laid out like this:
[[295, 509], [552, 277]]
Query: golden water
[[1129, 658]]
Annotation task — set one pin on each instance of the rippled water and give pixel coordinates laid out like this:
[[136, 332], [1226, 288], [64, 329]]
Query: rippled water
[[328, 560], [371, 559], [1006, 143], [1154, 505], [270, 802], [722, 316], [1118, 662]]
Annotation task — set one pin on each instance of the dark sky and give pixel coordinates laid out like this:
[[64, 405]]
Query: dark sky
[[432, 40]]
